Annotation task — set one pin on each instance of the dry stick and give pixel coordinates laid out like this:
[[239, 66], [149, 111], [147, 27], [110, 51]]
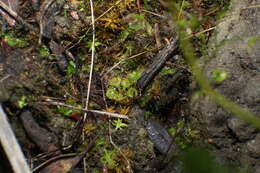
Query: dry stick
[[153, 13], [90, 73], [131, 57], [92, 56], [41, 19], [157, 36], [201, 32], [17, 18], [108, 10], [10, 146], [65, 156], [115, 115]]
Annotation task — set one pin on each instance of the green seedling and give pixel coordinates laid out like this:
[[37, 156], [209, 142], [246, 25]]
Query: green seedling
[[139, 23], [14, 42], [44, 51], [90, 46], [108, 158], [22, 102], [166, 71], [121, 89], [71, 69], [218, 76], [65, 111], [119, 124]]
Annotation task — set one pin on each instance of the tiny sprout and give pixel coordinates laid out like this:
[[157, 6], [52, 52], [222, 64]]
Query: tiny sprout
[[22, 102], [219, 76], [119, 124]]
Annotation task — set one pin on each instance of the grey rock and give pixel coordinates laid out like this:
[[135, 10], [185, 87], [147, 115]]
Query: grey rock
[[254, 146]]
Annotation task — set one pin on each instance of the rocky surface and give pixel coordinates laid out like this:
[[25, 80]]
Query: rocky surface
[[233, 51]]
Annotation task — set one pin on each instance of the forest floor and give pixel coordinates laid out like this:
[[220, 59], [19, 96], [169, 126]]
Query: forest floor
[[134, 116]]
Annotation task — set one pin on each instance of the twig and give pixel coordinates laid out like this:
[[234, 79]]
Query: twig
[[92, 56], [115, 115], [131, 57], [4, 78], [10, 146], [108, 10], [49, 3], [167, 52], [89, 147], [201, 32], [109, 114], [17, 18], [153, 13], [157, 36]]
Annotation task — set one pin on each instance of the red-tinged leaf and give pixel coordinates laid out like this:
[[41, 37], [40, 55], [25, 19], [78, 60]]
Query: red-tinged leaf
[[75, 116]]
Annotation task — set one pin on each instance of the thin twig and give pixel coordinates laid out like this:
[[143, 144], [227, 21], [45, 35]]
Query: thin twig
[[41, 19], [153, 13], [108, 10], [115, 115], [17, 18], [89, 147], [131, 57], [201, 32], [92, 56]]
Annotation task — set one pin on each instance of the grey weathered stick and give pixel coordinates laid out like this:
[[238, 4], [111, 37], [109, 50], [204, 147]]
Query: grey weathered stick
[[17, 18], [149, 74], [11, 146]]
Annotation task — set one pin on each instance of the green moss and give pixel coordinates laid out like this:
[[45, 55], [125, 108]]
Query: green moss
[[14, 42]]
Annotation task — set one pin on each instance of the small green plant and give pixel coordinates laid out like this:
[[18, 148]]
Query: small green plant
[[100, 142], [66, 111], [12, 41], [119, 124], [108, 158], [218, 76], [166, 71], [139, 23], [121, 89], [71, 69], [22, 102], [44, 51], [89, 45]]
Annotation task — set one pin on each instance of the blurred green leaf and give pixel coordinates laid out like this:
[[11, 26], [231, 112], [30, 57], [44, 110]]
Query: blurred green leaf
[[125, 83], [12, 41], [197, 160], [22, 102], [44, 51], [218, 76], [115, 82], [166, 71], [131, 92], [134, 76], [71, 69]]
